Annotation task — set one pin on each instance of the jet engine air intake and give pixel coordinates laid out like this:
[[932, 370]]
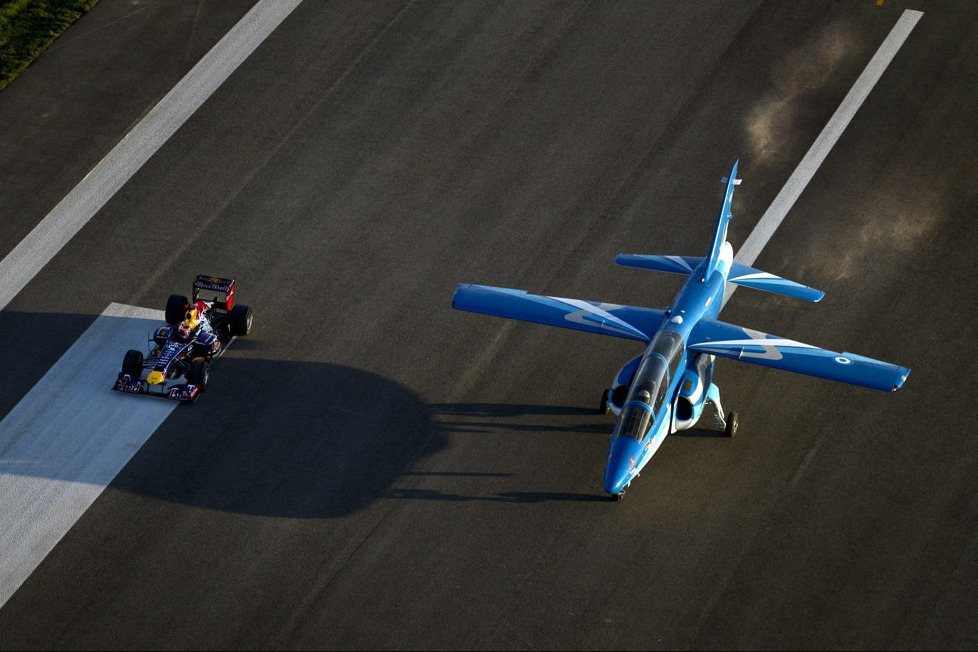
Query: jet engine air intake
[[692, 393]]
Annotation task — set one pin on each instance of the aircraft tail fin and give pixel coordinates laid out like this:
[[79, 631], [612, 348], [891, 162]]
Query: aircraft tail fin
[[720, 232]]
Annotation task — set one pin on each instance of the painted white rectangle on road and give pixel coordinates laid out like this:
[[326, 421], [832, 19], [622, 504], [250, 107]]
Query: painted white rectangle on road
[[66, 440]]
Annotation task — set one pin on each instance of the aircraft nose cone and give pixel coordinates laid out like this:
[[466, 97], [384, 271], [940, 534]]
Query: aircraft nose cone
[[623, 459]]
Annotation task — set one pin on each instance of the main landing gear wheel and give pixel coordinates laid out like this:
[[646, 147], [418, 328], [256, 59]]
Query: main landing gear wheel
[[603, 407], [732, 423]]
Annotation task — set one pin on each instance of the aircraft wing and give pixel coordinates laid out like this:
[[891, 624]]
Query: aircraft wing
[[629, 322], [739, 343]]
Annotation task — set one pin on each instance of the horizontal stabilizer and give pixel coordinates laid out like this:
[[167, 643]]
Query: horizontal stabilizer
[[746, 345], [755, 278], [739, 274], [672, 264], [629, 322]]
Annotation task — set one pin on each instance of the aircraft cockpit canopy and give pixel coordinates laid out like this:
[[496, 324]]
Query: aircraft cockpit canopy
[[651, 385]]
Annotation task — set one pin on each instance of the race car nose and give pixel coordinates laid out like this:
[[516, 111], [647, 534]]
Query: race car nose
[[155, 378], [622, 459]]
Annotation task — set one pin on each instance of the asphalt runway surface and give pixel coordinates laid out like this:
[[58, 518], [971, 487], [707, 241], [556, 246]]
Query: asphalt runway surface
[[371, 469]]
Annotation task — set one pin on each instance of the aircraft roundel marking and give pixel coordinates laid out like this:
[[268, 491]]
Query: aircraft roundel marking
[[843, 360]]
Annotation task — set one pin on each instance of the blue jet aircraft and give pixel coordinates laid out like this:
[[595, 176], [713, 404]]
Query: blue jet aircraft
[[665, 388]]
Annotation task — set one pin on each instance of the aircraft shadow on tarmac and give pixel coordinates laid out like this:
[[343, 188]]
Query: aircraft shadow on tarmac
[[287, 439], [309, 440], [502, 497], [297, 439], [23, 361], [477, 418], [457, 417]]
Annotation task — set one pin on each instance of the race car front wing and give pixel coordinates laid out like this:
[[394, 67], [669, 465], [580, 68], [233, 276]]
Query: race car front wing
[[183, 392]]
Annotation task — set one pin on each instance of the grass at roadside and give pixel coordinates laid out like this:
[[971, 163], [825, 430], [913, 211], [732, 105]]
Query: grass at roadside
[[27, 28]]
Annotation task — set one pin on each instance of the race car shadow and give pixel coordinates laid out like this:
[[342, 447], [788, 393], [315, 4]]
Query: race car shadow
[[288, 439]]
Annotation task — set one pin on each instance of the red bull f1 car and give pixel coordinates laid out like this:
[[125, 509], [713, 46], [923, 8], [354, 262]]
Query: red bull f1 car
[[196, 334]]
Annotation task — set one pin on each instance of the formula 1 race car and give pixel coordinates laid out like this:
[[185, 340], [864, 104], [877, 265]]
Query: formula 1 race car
[[196, 335]]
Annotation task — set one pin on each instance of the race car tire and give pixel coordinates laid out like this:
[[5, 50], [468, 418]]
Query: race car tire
[[239, 320], [199, 373], [176, 308], [132, 364]]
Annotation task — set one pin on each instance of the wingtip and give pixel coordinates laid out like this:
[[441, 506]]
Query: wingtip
[[903, 378]]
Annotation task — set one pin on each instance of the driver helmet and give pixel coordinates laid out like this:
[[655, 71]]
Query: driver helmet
[[184, 331]]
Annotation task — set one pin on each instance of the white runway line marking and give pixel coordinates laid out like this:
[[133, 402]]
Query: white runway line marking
[[66, 440], [55, 231], [812, 160]]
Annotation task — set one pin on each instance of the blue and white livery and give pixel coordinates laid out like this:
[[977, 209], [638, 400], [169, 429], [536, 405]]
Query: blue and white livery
[[667, 386]]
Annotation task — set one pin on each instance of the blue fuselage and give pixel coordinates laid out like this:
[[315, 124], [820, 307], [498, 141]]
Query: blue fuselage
[[647, 415]]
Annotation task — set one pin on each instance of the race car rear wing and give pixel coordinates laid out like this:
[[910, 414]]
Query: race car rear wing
[[215, 284]]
